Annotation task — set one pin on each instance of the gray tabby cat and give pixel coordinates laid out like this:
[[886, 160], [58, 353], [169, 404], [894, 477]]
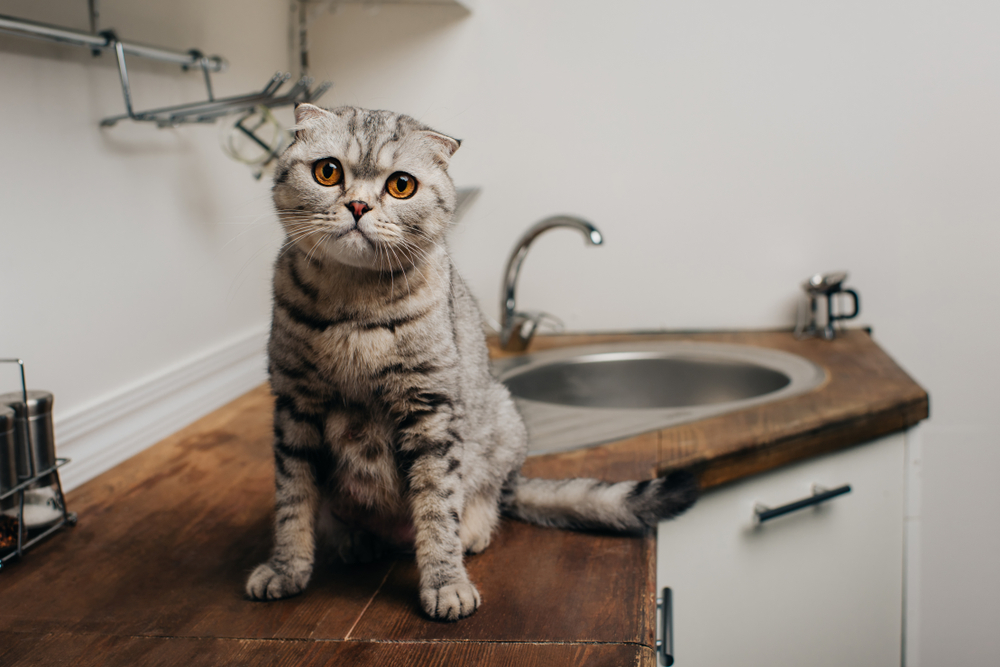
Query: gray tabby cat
[[388, 428]]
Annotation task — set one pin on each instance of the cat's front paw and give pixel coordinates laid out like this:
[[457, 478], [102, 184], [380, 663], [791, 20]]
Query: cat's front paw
[[270, 581], [450, 602]]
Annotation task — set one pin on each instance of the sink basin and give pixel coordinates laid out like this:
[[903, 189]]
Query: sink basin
[[644, 380], [580, 396]]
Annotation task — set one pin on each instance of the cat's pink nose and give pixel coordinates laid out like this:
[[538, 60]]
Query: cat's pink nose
[[358, 208]]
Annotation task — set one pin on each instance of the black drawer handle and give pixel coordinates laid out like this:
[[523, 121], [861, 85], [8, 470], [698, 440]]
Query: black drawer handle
[[665, 645], [819, 495]]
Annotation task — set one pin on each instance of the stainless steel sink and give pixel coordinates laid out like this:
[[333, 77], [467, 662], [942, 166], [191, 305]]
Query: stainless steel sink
[[579, 396]]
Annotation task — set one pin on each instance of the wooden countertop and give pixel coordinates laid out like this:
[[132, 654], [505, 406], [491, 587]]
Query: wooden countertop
[[154, 572]]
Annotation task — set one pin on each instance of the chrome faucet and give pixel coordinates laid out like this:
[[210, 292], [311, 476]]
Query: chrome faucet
[[516, 327]]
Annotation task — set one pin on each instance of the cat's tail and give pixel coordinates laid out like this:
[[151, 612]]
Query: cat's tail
[[593, 504]]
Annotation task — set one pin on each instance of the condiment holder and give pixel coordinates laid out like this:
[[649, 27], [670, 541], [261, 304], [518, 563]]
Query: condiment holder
[[32, 504]]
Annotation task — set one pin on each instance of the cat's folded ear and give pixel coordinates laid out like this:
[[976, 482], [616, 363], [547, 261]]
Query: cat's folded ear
[[305, 112], [442, 143]]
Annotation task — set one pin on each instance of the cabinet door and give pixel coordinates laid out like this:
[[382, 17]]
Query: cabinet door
[[820, 586]]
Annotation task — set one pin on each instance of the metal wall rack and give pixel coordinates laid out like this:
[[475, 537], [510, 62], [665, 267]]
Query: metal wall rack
[[24, 542], [206, 111]]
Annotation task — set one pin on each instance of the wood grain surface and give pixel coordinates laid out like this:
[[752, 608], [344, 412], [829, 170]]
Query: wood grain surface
[[166, 540], [79, 650], [154, 572]]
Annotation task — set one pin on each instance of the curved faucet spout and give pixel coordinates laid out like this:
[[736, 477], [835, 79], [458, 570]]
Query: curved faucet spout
[[516, 329]]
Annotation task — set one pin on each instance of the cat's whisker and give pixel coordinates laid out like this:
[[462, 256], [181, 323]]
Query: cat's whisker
[[401, 270], [297, 226], [294, 242], [425, 257], [327, 235], [234, 286], [293, 239], [421, 235], [300, 232], [378, 263], [392, 272]]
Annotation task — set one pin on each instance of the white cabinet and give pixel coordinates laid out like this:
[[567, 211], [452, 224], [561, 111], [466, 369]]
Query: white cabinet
[[820, 586]]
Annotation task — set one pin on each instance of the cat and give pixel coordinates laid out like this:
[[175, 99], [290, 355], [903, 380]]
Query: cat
[[389, 429]]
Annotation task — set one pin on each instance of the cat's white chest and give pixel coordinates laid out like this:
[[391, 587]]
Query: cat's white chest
[[352, 356]]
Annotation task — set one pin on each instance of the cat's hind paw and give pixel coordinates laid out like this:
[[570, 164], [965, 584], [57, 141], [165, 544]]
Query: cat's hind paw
[[270, 581], [450, 602], [476, 544]]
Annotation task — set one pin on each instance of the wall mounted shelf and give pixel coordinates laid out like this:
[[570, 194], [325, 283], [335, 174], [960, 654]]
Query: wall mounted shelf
[[205, 111]]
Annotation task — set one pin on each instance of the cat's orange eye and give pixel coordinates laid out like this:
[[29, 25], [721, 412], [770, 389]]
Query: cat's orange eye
[[401, 185], [328, 171]]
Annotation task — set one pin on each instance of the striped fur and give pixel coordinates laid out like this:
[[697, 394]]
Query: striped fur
[[629, 507], [389, 430]]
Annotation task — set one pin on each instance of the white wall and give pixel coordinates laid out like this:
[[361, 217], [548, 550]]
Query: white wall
[[728, 150], [131, 257]]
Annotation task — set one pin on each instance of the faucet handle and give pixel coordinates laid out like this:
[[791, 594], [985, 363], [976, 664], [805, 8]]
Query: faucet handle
[[522, 326], [531, 321], [540, 317]]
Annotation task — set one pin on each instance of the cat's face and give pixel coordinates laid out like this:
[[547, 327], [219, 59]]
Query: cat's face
[[365, 188]]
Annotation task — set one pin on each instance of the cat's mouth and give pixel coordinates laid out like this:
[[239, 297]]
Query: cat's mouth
[[353, 247], [350, 234]]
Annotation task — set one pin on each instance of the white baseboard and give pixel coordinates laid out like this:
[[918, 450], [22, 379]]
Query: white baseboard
[[115, 427]]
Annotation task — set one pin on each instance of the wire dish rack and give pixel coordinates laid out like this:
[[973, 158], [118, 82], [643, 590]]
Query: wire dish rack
[[28, 538]]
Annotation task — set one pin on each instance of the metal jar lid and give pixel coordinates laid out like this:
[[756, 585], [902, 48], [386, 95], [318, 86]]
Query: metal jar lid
[[39, 402], [6, 419]]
